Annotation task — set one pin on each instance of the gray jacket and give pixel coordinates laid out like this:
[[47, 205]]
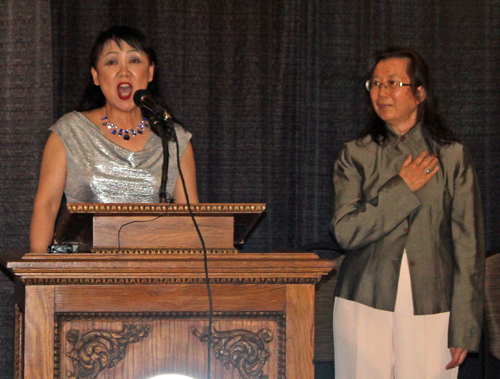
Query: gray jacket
[[377, 216]]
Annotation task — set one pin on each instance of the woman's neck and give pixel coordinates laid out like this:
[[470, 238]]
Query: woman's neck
[[402, 129], [124, 119]]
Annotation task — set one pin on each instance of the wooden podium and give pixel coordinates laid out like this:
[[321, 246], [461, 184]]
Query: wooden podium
[[132, 302]]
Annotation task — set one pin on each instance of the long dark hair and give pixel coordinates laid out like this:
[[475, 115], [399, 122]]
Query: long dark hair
[[93, 97], [433, 126]]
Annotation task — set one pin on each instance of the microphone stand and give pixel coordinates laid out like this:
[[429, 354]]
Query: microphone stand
[[163, 125]]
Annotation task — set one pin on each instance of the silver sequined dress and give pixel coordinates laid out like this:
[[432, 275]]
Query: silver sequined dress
[[99, 171]]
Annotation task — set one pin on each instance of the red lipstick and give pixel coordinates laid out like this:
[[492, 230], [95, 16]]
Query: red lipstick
[[124, 90]]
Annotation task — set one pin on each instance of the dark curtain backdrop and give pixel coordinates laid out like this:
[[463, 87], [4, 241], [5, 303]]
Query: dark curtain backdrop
[[270, 90], [26, 109]]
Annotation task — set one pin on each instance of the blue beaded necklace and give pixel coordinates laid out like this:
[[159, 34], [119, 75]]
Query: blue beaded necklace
[[125, 133]]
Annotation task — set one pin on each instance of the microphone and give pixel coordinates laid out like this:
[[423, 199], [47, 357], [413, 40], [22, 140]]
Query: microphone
[[143, 99]]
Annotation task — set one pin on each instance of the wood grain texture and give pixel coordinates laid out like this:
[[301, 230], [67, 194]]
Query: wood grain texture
[[300, 331], [253, 283], [19, 344], [97, 225], [170, 347], [148, 232], [169, 298], [39, 332], [243, 266]]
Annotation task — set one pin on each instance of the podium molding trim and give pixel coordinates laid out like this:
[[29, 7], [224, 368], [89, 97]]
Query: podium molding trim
[[131, 281], [165, 251]]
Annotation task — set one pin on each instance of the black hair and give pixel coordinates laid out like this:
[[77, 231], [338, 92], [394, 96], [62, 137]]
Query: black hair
[[433, 126], [93, 97]]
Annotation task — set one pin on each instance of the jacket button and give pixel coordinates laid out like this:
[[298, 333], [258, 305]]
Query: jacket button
[[412, 263], [406, 230]]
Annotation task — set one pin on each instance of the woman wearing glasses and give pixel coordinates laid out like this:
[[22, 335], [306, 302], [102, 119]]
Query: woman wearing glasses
[[408, 211]]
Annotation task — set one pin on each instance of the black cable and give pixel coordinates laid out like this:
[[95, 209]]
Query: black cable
[[164, 171], [205, 254], [166, 133], [65, 238], [133, 222], [205, 258]]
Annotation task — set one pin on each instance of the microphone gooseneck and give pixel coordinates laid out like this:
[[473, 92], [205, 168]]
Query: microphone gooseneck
[[162, 123]]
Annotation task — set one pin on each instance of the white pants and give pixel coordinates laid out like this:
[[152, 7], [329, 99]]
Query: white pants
[[374, 344]]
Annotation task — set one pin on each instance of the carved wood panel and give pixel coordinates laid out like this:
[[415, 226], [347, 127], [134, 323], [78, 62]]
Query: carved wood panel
[[172, 344]]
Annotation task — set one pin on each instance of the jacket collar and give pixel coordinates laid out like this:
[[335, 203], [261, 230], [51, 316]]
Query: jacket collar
[[413, 136]]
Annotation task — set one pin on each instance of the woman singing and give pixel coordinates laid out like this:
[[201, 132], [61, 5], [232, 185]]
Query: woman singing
[[106, 152]]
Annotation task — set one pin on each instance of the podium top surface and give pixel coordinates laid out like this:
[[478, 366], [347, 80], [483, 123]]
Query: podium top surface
[[77, 218]]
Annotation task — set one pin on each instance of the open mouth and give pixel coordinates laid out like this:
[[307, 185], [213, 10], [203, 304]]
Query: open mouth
[[124, 91]]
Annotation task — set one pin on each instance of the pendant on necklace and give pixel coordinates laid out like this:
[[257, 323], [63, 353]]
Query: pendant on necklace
[[125, 133]]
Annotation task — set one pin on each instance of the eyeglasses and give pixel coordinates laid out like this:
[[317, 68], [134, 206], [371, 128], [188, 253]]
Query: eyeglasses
[[391, 85]]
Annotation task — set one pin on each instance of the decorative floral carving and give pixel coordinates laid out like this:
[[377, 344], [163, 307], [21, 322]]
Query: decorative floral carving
[[240, 348], [62, 320], [100, 349]]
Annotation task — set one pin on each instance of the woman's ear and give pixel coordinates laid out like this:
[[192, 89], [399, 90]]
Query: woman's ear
[[151, 71], [95, 76], [421, 94]]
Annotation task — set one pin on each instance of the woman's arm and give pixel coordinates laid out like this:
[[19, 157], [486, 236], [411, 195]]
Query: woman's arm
[[467, 227], [358, 221], [49, 194], [188, 168]]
